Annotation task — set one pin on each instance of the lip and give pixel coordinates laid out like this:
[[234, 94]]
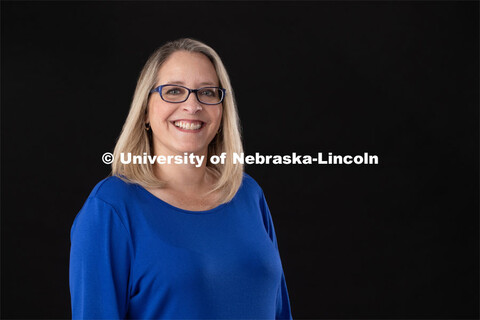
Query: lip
[[188, 121]]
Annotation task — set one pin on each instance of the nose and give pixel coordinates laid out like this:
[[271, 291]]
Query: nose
[[192, 105]]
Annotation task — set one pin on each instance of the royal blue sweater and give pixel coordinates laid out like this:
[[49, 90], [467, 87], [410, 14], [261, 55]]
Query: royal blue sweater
[[134, 256]]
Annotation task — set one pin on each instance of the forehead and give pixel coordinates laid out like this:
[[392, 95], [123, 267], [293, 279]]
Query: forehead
[[189, 68]]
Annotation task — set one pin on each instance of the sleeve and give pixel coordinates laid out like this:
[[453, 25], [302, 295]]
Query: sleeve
[[283, 310], [100, 256]]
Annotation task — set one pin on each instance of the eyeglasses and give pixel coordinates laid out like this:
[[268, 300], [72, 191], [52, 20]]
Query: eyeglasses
[[177, 94]]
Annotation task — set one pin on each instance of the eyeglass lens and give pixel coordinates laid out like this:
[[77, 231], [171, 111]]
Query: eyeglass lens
[[207, 95]]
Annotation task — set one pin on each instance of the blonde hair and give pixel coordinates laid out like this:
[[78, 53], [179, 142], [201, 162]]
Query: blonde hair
[[136, 140]]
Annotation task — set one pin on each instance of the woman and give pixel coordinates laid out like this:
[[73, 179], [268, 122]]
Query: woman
[[178, 241]]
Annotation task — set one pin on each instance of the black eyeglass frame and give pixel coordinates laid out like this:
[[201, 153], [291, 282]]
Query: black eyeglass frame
[[159, 90]]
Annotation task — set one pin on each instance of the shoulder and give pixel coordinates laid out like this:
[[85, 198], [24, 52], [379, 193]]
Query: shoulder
[[103, 206], [109, 195], [112, 190], [254, 192], [250, 183], [251, 186]]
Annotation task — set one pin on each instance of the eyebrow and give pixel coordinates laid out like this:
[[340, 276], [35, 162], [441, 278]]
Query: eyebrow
[[208, 83]]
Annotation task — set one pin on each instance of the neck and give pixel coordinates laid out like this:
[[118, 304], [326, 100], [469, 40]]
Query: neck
[[186, 177]]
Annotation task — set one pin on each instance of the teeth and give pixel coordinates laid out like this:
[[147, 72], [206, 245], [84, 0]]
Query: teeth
[[188, 125]]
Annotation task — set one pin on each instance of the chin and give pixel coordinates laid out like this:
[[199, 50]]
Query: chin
[[191, 149]]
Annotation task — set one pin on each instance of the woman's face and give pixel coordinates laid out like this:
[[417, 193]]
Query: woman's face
[[175, 125]]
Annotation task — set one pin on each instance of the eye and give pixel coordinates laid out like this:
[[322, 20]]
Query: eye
[[174, 91], [209, 92]]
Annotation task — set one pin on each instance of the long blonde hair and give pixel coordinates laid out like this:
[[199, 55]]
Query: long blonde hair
[[136, 140]]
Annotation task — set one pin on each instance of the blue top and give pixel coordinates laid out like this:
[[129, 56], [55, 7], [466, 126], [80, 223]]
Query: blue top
[[136, 256]]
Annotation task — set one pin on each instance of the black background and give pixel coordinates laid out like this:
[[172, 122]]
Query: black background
[[395, 79]]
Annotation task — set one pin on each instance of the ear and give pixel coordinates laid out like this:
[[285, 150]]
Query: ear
[[146, 117]]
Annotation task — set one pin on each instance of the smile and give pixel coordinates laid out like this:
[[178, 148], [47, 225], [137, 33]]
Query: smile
[[188, 125]]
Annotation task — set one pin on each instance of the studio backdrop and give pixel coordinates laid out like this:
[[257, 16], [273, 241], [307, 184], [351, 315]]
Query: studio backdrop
[[392, 234]]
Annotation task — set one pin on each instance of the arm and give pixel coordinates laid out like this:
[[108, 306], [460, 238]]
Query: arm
[[100, 256], [283, 302]]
